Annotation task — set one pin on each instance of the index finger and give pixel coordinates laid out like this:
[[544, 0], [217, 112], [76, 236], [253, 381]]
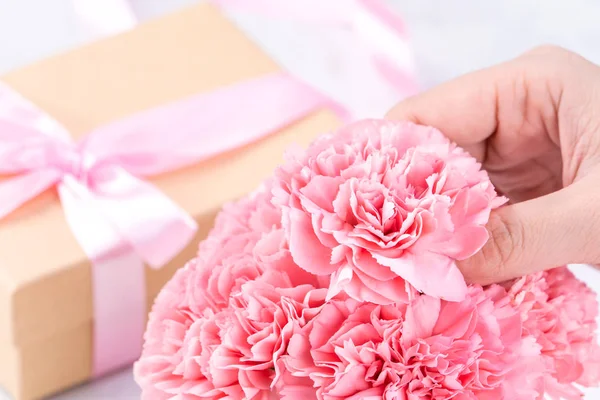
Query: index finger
[[464, 109]]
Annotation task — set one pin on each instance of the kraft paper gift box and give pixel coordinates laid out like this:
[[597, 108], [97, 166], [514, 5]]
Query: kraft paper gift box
[[46, 318]]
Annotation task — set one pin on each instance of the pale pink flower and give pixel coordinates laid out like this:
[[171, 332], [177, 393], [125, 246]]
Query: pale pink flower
[[253, 214], [289, 387], [247, 240], [429, 349], [383, 203], [177, 347], [255, 335], [560, 311], [233, 353]]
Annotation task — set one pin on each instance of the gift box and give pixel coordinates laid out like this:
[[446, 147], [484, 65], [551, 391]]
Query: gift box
[[46, 308]]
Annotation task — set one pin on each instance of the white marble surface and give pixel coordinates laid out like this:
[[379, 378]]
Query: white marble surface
[[449, 38]]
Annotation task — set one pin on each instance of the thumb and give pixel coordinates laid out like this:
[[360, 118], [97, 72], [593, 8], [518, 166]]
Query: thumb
[[550, 231]]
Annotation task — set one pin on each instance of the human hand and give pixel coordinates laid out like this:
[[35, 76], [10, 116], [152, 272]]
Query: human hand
[[534, 123]]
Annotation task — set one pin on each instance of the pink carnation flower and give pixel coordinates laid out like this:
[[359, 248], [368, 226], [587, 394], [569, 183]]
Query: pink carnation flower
[[428, 349], [309, 289], [383, 203], [560, 312], [247, 240], [256, 334], [194, 312], [177, 347], [230, 354]]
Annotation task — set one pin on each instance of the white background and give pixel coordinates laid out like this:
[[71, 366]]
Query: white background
[[449, 38]]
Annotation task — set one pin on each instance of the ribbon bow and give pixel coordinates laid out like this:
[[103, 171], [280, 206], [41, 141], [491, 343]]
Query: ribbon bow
[[120, 220]]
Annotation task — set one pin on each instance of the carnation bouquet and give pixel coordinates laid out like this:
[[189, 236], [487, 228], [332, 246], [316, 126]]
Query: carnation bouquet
[[337, 279]]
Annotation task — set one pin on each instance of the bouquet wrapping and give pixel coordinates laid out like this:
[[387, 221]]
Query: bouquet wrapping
[[337, 279]]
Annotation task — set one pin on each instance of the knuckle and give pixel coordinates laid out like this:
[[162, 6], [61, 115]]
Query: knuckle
[[584, 241], [501, 252], [549, 49], [579, 124], [553, 60]]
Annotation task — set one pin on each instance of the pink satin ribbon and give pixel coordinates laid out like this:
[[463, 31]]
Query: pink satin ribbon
[[120, 220]]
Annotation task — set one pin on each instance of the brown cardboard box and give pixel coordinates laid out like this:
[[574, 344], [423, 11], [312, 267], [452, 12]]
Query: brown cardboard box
[[45, 290]]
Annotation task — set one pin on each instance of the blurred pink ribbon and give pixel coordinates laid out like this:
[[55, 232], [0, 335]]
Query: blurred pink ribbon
[[371, 21], [120, 220]]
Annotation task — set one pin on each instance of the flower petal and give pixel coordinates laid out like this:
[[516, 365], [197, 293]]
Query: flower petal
[[433, 274], [305, 247]]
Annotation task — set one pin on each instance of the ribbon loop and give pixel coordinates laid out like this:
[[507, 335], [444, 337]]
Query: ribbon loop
[[153, 225], [17, 190]]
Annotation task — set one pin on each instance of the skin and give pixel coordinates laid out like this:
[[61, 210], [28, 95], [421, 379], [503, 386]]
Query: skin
[[534, 124]]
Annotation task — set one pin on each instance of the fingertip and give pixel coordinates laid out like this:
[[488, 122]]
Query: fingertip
[[404, 111], [464, 109], [500, 258], [535, 235]]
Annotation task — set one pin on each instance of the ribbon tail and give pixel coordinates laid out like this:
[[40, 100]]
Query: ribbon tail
[[16, 191], [152, 224], [118, 281]]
